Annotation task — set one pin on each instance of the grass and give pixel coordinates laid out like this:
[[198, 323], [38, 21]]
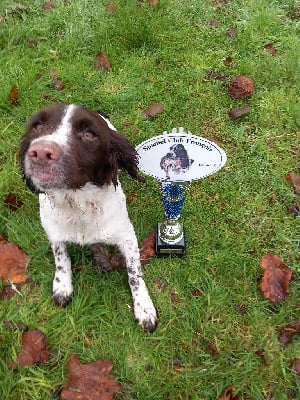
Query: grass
[[161, 54]]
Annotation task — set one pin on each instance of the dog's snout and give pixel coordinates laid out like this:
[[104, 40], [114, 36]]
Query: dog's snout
[[44, 152]]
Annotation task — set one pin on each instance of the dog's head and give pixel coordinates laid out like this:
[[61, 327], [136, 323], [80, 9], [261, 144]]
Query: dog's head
[[67, 146]]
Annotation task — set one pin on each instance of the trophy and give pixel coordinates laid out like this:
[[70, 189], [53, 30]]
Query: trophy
[[175, 159]]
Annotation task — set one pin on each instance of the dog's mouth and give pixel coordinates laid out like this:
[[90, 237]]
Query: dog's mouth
[[44, 177]]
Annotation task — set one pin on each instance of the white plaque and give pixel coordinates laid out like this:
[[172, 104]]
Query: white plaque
[[180, 156]]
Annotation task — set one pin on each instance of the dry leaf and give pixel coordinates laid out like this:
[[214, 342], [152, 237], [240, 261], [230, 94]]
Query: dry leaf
[[90, 381], [276, 278], [110, 8], [215, 75], [102, 61], [231, 32], [239, 111], [13, 202], [153, 110], [14, 95], [228, 61], [294, 180], [270, 49], [296, 365], [294, 210], [35, 349], [287, 332], [13, 263], [49, 5], [147, 248], [241, 87], [228, 395]]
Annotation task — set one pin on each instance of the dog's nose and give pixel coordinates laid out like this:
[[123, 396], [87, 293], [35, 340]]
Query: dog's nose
[[44, 152]]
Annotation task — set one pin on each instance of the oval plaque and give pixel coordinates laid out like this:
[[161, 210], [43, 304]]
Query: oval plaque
[[180, 156]]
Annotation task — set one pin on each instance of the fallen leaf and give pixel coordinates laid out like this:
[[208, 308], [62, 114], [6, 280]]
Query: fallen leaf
[[49, 5], [131, 197], [241, 309], [147, 248], [231, 32], [14, 95], [215, 75], [153, 2], [294, 180], [294, 210], [35, 349], [32, 42], [214, 23], [276, 278], [241, 87], [239, 111], [296, 365], [196, 293], [57, 84], [13, 202], [15, 326], [228, 395], [7, 292], [111, 8], [102, 61], [90, 381], [13, 262], [106, 261], [213, 351], [270, 49], [153, 110], [228, 61], [262, 354], [287, 332]]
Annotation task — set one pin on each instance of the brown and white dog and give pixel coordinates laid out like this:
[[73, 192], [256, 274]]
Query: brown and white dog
[[71, 155]]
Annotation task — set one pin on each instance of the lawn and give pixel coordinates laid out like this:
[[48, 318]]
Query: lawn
[[216, 329]]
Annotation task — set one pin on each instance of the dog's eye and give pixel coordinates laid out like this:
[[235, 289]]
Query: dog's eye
[[38, 126], [88, 136]]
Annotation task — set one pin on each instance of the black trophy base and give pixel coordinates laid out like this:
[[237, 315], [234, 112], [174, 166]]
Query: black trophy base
[[163, 249]]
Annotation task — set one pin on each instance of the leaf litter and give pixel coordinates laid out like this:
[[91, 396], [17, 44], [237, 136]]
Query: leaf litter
[[13, 262]]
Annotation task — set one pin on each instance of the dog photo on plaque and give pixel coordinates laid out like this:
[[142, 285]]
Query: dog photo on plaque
[[175, 159]]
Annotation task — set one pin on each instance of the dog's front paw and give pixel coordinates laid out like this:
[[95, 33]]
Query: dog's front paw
[[62, 292], [145, 315], [62, 299]]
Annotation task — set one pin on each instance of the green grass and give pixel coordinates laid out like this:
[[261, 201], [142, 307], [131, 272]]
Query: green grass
[[161, 55]]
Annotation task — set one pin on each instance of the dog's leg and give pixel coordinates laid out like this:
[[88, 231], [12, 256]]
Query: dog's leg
[[144, 309], [62, 283]]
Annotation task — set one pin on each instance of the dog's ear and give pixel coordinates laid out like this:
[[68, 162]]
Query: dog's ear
[[122, 155]]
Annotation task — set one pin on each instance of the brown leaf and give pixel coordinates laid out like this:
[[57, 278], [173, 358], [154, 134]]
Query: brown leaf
[[13, 202], [276, 278], [147, 248], [262, 354], [287, 332], [7, 292], [32, 42], [111, 8], [90, 381], [14, 95], [231, 32], [153, 110], [35, 348], [296, 365], [215, 75], [228, 395], [294, 180], [213, 351], [57, 84], [49, 5], [270, 49], [228, 61], [102, 61], [239, 111], [154, 3], [13, 263], [294, 210], [214, 23], [131, 197], [241, 87]]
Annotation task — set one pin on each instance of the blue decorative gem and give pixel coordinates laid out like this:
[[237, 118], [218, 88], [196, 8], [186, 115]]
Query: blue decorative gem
[[173, 196]]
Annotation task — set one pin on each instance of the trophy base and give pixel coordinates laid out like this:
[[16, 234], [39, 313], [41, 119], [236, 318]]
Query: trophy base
[[163, 249]]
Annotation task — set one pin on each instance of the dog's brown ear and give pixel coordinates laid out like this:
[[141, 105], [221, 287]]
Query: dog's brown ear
[[122, 155]]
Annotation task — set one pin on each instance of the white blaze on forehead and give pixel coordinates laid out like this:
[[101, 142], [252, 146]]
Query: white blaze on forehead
[[61, 134]]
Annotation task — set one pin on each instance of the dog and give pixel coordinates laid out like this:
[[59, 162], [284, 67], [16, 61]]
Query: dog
[[71, 156], [176, 161]]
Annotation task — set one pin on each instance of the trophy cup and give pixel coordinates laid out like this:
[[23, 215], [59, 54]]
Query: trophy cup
[[170, 237], [175, 159]]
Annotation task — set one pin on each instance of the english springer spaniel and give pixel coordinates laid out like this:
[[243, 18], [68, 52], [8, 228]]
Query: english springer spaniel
[[71, 155], [176, 161]]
